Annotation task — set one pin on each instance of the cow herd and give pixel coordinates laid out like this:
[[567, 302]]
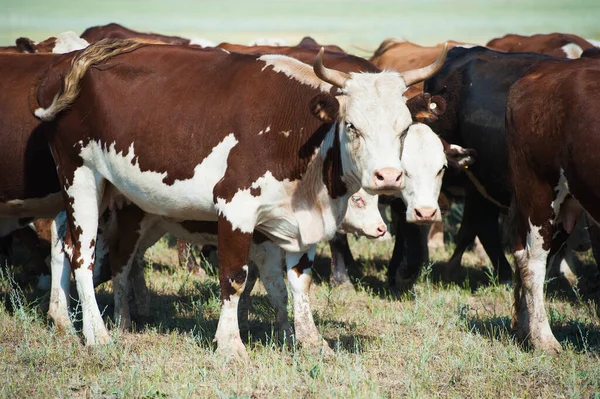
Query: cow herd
[[263, 151]]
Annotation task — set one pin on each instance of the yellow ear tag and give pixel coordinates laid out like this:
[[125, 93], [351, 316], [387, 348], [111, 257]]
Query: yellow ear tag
[[466, 166]]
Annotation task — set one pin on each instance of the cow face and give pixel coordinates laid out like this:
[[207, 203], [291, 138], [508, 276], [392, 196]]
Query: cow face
[[363, 217], [372, 117], [423, 165]]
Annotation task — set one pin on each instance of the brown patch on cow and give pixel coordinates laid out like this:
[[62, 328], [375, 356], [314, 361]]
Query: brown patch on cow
[[200, 227], [255, 191], [332, 170], [92, 243], [302, 265], [545, 43], [234, 249]]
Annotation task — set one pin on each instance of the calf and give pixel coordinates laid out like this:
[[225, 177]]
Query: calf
[[315, 151], [553, 134]]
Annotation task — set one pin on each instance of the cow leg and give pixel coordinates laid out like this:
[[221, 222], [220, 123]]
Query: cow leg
[[468, 229], [299, 266], [341, 256], [83, 199], [245, 301], [233, 248], [141, 292], [60, 275], [489, 235], [268, 259], [534, 224], [435, 238], [131, 224]]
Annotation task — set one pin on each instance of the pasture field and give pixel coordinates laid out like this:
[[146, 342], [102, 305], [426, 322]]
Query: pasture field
[[441, 339]]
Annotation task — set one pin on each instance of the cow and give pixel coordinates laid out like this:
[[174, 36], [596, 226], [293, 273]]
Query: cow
[[63, 43], [474, 84], [315, 150], [555, 44], [552, 135]]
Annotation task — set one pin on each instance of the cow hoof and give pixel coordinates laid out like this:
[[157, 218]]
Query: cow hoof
[[100, 338], [63, 324], [404, 284], [319, 349], [548, 345], [235, 351]]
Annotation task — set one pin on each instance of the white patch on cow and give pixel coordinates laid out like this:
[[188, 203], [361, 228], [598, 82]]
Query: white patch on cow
[[202, 42], [467, 45], [294, 69], [60, 272], [306, 331], [572, 50], [245, 211], [228, 332], [94, 329], [423, 160], [184, 199], [67, 42], [268, 41], [45, 207], [286, 133], [268, 129], [224, 50], [562, 191], [533, 321], [363, 217]]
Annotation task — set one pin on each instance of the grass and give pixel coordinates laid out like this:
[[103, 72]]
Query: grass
[[438, 340]]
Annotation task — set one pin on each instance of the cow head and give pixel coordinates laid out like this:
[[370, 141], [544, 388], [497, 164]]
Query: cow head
[[372, 115], [363, 217], [424, 160]]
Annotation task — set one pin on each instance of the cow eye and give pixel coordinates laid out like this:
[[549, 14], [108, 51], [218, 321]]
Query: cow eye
[[357, 199]]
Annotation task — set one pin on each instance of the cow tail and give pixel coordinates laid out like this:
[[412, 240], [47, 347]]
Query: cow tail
[[92, 55]]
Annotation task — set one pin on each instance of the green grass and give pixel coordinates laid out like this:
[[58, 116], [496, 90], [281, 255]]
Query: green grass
[[347, 23], [441, 339]]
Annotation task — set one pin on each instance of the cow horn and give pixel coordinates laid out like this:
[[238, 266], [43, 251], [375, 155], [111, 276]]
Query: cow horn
[[418, 75], [331, 76]]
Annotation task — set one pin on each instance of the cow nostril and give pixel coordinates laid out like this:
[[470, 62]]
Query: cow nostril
[[379, 176], [399, 176], [418, 213]]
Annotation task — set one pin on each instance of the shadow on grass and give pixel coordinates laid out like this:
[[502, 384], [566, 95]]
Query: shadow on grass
[[581, 337]]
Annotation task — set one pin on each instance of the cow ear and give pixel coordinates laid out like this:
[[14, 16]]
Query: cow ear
[[457, 156], [325, 107], [25, 45], [425, 108]]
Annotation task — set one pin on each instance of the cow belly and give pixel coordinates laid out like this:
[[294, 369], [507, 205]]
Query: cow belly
[[188, 199]]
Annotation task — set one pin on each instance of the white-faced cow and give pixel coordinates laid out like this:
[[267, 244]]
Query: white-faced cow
[[257, 143]]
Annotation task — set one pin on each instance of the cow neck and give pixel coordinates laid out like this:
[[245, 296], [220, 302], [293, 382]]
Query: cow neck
[[321, 198]]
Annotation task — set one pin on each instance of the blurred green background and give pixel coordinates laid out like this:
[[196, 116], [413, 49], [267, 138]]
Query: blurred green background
[[360, 23]]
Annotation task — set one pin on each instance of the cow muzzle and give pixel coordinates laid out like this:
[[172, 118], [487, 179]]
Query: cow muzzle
[[425, 215], [387, 180]]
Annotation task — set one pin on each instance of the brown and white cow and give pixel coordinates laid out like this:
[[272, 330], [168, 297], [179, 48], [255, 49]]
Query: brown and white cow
[[553, 135], [63, 43], [556, 44], [260, 144]]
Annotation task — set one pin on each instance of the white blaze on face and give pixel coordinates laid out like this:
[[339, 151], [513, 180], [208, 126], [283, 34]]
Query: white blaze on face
[[374, 114], [363, 216], [423, 164], [67, 42]]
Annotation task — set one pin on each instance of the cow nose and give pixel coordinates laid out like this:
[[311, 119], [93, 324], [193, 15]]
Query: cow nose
[[425, 214], [387, 178], [381, 230]]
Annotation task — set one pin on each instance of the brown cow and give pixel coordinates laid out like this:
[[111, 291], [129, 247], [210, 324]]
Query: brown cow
[[556, 44], [116, 31], [200, 162], [553, 137], [397, 54], [310, 43]]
